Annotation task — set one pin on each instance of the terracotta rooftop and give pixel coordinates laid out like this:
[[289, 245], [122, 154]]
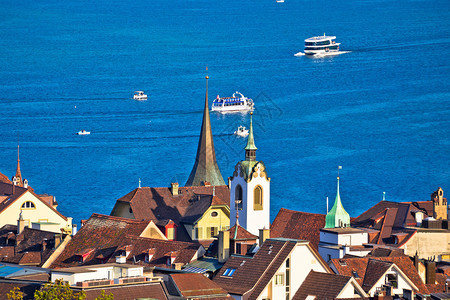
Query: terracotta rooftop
[[241, 233], [347, 267], [298, 225], [128, 292], [107, 237], [4, 178], [159, 203], [252, 274], [193, 285], [27, 287], [321, 285], [439, 286], [30, 250]]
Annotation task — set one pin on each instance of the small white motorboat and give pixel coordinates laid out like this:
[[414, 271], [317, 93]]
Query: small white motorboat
[[139, 95], [241, 131], [83, 132]]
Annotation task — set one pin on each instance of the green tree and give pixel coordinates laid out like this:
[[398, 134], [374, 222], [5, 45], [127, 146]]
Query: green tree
[[103, 296], [58, 291], [15, 294]]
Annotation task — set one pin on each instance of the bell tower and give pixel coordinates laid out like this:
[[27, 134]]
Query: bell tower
[[250, 190]]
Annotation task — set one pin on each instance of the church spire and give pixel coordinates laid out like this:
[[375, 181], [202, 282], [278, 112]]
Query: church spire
[[337, 216], [18, 173], [250, 149], [205, 167]]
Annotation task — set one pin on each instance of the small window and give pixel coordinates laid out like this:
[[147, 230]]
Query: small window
[[279, 279], [391, 279], [214, 214], [229, 272], [28, 204], [355, 274], [258, 198]]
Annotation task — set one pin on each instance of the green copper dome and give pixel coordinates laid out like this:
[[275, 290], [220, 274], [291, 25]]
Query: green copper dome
[[337, 216]]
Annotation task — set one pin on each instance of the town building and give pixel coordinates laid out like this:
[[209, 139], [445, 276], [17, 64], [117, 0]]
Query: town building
[[17, 198], [395, 274], [195, 286], [409, 226], [107, 239], [276, 271], [319, 285], [31, 247], [250, 190]]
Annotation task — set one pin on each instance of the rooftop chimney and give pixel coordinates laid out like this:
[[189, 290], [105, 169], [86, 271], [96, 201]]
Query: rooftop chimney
[[58, 238], [224, 246], [44, 244], [174, 188], [20, 224], [264, 234], [430, 272]]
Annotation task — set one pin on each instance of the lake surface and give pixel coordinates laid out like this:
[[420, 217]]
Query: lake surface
[[381, 111]]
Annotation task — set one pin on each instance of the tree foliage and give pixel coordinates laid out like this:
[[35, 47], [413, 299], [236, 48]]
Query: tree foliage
[[58, 291], [103, 296], [15, 294]]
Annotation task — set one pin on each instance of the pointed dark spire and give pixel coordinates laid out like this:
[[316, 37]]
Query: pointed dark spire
[[250, 149], [205, 167], [18, 173]]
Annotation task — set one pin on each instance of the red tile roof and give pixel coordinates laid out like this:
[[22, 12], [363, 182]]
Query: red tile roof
[[128, 292], [374, 270], [321, 285], [108, 236], [29, 250], [250, 269], [298, 225], [4, 178], [241, 234], [159, 203], [439, 286], [252, 274], [191, 285]]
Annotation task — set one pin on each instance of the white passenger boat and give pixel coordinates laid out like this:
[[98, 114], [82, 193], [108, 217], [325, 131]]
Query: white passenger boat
[[321, 46], [236, 103], [241, 131], [139, 95], [83, 132]]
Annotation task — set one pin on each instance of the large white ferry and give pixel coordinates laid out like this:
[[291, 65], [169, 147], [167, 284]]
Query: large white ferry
[[321, 46], [236, 103]]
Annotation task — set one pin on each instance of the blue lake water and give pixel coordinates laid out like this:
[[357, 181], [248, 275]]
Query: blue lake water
[[381, 111]]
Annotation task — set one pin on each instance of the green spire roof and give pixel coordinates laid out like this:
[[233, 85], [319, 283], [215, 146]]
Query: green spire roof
[[337, 216], [250, 141]]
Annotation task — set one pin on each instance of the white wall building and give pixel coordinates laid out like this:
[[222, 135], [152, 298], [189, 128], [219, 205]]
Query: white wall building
[[336, 242], [250, 191]]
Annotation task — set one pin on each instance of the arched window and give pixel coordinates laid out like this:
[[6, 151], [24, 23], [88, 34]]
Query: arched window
[[238, 196], [28, 204], [258, 198]]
